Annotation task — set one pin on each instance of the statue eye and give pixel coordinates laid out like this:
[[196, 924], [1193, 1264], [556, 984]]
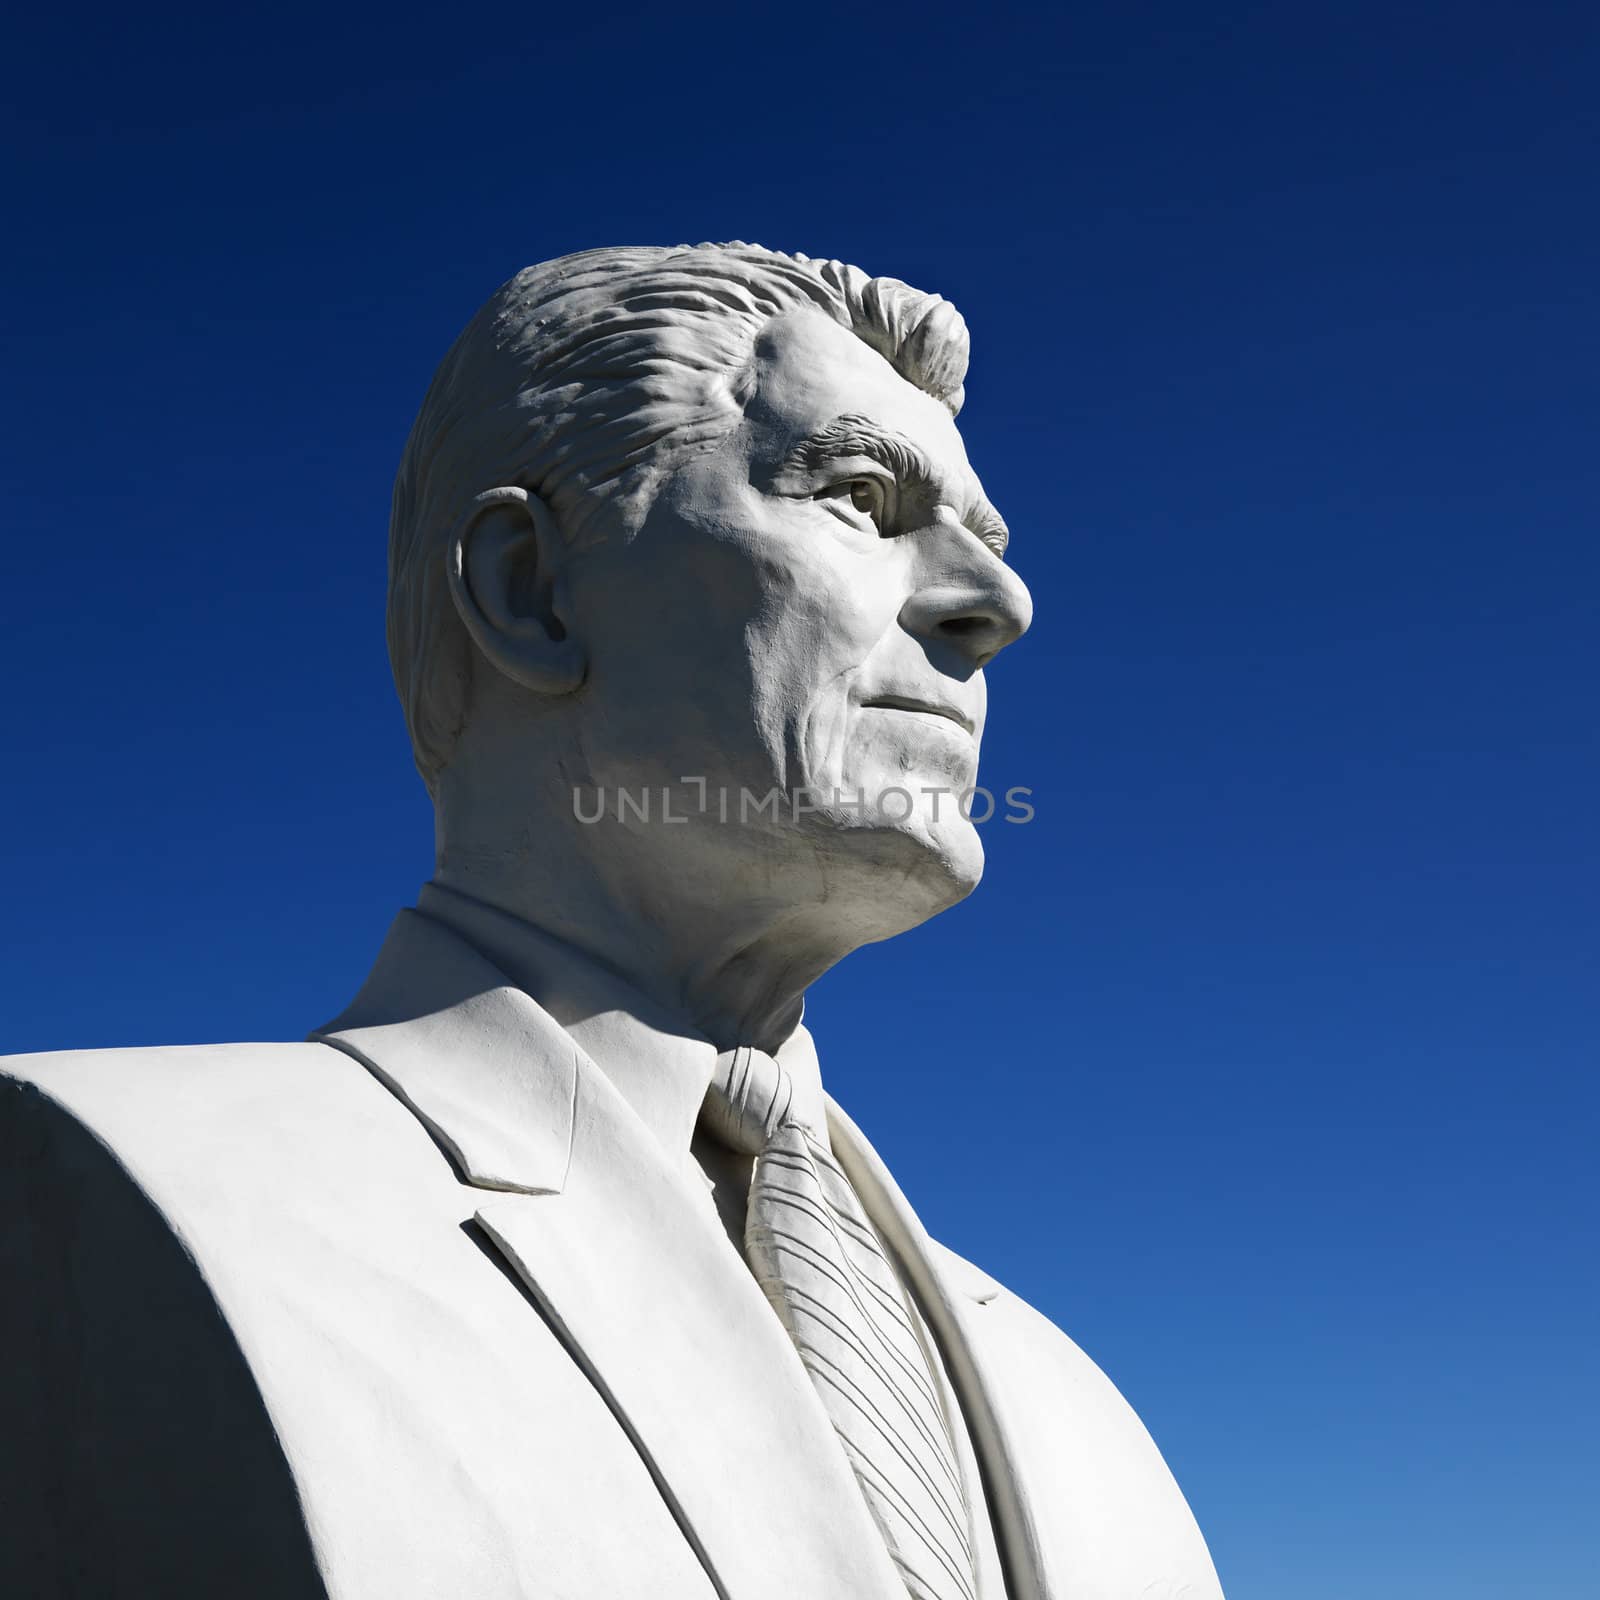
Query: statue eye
[[859, 502], [857, 497]]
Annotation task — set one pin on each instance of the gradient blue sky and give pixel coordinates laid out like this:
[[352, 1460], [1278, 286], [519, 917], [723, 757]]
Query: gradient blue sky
[[1264, 1059]]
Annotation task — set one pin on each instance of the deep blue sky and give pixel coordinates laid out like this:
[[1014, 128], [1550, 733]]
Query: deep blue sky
[[1264, 1059]]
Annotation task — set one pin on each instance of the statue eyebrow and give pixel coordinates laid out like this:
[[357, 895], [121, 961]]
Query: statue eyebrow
[[860, 436], [852, 435]]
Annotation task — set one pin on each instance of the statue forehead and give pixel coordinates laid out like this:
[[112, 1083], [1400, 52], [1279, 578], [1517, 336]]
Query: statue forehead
[[810, 370]]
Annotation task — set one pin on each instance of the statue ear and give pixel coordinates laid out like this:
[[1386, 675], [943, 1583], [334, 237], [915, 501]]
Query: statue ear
[[506, 563]]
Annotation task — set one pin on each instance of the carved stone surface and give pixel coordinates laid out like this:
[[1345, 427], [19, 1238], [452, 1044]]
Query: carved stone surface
[[691, 592]]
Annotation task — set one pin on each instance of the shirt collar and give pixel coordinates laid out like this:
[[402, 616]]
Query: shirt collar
[[660, 1067]]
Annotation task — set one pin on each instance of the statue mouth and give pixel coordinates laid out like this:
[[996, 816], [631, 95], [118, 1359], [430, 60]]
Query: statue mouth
[[928, 708]]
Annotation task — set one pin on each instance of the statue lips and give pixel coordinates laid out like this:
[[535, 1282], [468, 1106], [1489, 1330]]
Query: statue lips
[[920, 707]]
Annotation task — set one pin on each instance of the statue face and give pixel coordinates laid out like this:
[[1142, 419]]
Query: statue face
[[808, 606]]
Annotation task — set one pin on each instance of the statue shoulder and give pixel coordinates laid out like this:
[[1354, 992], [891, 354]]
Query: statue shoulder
[[1108, 1514], [120, 1089], [165, 1108]]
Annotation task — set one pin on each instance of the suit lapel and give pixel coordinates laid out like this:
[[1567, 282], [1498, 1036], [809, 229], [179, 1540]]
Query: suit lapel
[[949, 1291], [621, 1248], [634, 1271]]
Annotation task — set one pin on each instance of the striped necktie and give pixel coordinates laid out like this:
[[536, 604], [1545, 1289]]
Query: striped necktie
[[816, 1256]]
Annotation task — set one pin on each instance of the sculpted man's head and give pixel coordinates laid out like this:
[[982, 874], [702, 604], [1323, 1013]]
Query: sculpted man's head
[[699, 520]]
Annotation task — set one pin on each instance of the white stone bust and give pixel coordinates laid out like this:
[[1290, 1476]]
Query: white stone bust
[[549, 1268]]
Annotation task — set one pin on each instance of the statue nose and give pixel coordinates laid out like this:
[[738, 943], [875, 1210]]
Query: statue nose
[[968, 599]]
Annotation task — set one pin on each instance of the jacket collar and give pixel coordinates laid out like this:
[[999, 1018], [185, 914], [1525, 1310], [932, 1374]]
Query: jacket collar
[[660, 1068], [478, 1022], [489, 1073]]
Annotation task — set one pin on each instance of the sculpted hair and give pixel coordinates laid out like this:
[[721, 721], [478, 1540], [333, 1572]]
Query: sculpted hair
[[584, 380]]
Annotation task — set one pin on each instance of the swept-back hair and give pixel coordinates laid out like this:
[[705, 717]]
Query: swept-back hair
[[583, 380]]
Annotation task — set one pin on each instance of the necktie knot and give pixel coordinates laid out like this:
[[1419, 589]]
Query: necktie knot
[[749, 1099]]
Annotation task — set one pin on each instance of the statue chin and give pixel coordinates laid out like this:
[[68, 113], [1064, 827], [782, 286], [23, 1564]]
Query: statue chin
[[898, 799], [897, 874], [954, 854]]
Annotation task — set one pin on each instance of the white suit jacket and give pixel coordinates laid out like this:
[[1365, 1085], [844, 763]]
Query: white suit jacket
[[421, 1309]]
